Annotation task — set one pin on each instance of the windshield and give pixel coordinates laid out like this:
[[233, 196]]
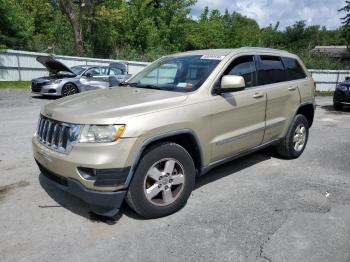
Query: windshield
[[180, 74], [78, 69]]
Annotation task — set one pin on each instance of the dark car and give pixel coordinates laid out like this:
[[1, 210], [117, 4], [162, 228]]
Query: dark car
[[64, 81], [341, 95]]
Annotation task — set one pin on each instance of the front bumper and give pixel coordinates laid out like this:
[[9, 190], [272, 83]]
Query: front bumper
[[342, 97], [117, 157], [102, 203], [98, 174], [47, 90]]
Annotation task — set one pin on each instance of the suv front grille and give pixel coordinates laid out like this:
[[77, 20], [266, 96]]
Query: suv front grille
[[57, 135]]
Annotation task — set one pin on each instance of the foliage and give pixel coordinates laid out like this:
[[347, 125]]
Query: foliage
[[346, 8], [147, 29]]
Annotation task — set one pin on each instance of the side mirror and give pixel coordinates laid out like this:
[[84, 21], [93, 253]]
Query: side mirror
[[230, 83]]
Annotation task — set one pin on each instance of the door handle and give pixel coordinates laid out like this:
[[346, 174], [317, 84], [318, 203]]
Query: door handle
[[292, 88], [258, 95]]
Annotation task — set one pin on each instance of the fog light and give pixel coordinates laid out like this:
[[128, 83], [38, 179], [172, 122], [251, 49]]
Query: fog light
[[87, 173], [105, 177]]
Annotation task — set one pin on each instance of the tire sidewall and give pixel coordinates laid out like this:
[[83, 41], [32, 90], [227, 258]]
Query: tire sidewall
[[136, 193]]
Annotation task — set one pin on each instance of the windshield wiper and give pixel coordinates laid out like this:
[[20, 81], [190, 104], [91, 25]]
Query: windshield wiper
[[149, 86]]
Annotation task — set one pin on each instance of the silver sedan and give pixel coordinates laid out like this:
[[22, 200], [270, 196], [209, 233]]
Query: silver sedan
[[64, 81]]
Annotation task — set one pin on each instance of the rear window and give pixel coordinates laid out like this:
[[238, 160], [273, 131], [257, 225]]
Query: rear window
[[271, 70], [294, 70]]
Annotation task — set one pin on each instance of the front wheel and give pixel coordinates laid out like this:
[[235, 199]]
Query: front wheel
[[293, 144], [163, 181], [69, 89]]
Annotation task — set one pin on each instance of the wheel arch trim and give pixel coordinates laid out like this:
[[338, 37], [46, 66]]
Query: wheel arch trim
[[160, 137], [303, 105]]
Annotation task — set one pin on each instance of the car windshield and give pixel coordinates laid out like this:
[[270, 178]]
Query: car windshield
[[78, 69], [180, 74]]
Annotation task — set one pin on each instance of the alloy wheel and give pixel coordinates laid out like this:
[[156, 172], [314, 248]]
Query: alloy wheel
[[164, 182], [69, 89], [299, 138]]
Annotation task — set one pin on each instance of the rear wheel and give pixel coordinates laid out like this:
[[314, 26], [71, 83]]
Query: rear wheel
[[69, 89], [163, 181], [293, 144]]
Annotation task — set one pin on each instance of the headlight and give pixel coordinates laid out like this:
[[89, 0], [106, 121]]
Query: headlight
[[57, 81], [101, 134]]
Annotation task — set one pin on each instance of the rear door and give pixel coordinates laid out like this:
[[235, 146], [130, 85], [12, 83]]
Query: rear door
[[282, 95], [238, 118]]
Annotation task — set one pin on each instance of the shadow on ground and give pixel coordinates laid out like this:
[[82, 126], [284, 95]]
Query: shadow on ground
[[78, 207], [45, 97], [330, 109]]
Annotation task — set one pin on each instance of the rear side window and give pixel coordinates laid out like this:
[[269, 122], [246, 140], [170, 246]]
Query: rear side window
[[294, 70], [270, 70]]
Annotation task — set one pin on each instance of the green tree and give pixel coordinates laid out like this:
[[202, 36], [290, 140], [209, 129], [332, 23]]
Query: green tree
[[16, 26], [346, 8], [52, 32], [346, 22]]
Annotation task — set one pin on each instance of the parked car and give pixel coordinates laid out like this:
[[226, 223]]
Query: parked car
[[341, 96], [177, 119], [64, 81]]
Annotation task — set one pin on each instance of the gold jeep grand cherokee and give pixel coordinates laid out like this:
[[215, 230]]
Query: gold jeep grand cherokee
[[184, 114]]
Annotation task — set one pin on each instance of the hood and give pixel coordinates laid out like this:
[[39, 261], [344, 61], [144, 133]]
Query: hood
[[110, 106], [52, 65]]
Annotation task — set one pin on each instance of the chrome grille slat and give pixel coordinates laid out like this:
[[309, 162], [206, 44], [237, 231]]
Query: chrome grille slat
[[41, 127], [57, 135], [45, 131], [47, 134], [60, 137], [54, 134]]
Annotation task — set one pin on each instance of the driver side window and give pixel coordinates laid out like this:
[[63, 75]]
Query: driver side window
[[95, 71], [244, 66]]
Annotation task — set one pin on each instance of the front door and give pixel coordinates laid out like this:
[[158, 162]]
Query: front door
[[95, 78], [238, 118]]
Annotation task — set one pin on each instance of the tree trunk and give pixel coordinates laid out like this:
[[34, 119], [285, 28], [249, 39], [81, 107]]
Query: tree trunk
[[76, 22]]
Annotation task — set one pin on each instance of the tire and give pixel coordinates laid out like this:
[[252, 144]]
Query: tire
[[152, 175], [69, 89], [289, 147], [337, 106]]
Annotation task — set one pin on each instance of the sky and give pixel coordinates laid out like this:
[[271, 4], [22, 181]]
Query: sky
[[287, 12]]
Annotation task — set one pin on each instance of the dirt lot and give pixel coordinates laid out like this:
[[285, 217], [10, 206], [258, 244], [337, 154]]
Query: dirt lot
[[259, 208]]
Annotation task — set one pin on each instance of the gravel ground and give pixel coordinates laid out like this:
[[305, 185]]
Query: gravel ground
[[258, 208]]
